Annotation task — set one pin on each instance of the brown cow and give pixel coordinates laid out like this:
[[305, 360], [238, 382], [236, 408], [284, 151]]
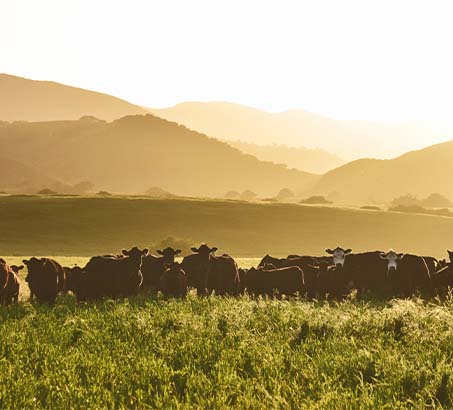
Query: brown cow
[[173, 281], [46, 278], [4, 274], [12, 287], [153, 267]]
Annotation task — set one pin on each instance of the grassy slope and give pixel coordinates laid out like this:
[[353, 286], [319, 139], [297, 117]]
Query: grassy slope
[[87, 226], [222, 352]]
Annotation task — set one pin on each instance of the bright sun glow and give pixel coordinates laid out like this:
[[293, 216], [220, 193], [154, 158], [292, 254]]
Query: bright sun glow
[[376, 60]]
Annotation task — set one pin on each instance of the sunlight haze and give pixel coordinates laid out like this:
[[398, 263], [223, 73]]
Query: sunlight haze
[[361, 60]]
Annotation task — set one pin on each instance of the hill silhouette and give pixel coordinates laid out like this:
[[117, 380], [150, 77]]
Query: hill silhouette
[[347, 139], [420, 172], [317, 161], [22, 99], [133, 153]]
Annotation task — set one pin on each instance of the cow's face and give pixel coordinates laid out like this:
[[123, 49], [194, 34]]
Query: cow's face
[[33, 265], [392, 258], [450, 255], [339, 255], [16, 269], [135, 254], [204, 251], [169, 254]]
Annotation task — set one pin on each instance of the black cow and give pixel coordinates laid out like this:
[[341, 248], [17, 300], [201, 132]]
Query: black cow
[[153, 267], [407, 274], [173, 281], [46, 278], [114, 277], [267, 282]]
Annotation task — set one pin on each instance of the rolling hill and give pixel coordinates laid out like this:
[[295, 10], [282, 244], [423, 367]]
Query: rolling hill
[[134, 153], [15, 176], [347, 139], [317, 161], [22, 99], [418, 172]]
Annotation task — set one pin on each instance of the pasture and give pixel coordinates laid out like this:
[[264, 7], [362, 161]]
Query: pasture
[[213, 352], [219, 352], [84, 226]]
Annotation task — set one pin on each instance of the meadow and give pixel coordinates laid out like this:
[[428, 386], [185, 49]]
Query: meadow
[[85, 226], [212, 352], [217, 352]]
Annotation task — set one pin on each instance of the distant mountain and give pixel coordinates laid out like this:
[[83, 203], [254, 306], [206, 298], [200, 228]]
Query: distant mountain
[[298, 128], [419, 173], [22, 99], [317, 161], [133, 153]]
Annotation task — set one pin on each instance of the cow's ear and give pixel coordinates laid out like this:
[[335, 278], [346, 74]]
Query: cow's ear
[[125, 252], [449, 251], [145, 251], [347, 251], [382, 255], [25, 262], [159, 252], [195, 250], [213, 249], [329, 251], [20, 267], [400, 255], [177, 251]]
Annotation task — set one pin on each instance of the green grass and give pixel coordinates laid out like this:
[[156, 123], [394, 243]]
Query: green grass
[[86, 226], [226, 352]]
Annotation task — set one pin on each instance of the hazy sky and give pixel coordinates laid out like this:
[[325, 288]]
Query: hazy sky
[[375, 60]]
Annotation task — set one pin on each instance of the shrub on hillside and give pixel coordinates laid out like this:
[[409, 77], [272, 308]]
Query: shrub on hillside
[[315, 200]]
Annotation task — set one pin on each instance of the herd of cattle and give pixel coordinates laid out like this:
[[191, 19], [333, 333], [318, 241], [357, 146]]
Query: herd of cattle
[[335, 275]]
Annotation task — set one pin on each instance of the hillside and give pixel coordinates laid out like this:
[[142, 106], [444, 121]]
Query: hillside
[[22, 99], [418, 172], [87, 225], [134, 153], [347, 139], [17, 176], [317, 161]]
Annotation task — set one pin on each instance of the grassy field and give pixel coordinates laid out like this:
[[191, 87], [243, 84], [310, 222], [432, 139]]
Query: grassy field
[[83, 226], [213, 352], [224, 352]]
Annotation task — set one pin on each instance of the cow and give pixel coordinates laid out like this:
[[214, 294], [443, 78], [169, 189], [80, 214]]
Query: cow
[[207, 272], [9, 283], [308, 264], [407, 273], [11, 293], [267, 282], [153, 267], [4, 274], [365, 272], [114, 277], [173, 281], [46, 278]]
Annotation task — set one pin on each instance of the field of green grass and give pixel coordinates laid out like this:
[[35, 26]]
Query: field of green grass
[[214, 352], [84, 226], [227, 352]]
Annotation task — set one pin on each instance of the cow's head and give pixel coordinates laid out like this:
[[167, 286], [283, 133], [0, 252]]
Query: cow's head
[[450, 255], [34, 266], [204, 251], [16, 269], [169, 254], [339, 255], [135, 254], [393, 258]]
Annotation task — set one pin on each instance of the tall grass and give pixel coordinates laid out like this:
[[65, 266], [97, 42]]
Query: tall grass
[[214, 352]]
